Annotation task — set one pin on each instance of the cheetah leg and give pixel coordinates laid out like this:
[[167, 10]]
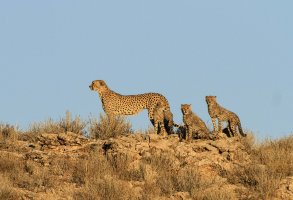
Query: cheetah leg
[[163, 130], [151, 114], [188, 133], [152, 121], [156, 127], [168, 122], [233, 129], [230, 130], [168, 126], [219, 126], [214, 124]]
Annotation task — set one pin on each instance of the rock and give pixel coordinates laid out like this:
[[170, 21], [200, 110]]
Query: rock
[[146, 161], [181, 196], [222, 145]]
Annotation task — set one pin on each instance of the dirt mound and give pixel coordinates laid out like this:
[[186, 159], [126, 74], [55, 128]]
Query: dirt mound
[[136, 166]]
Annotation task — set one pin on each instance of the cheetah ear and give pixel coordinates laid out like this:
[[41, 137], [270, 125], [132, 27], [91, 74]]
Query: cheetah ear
[[102, 83]]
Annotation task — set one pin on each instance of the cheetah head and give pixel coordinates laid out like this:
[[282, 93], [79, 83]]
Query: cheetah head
[[211, 99], [98, 85], [185, 108]]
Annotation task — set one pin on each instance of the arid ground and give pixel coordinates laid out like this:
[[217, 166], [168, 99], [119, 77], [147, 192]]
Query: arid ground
[[105, 159]]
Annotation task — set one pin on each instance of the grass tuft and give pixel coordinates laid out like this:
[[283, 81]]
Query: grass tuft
[[109, 127]]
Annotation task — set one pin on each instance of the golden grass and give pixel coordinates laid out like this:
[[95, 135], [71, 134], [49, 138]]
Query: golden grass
[[110, 177], [8, 133], [271, 161], [7, 191], [107, 127]]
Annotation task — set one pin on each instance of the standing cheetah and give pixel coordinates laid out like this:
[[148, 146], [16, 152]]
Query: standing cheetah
[[222, 114], [117, 104]]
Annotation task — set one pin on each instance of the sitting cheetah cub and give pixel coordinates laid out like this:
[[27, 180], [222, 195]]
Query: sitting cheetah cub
[[222, 114], [193, 123]]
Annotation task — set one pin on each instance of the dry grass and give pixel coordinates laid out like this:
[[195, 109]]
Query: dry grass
[[167, 181], [7, 191], [97, 178], [277, 156], [25, 174], [110, 176], [8, 133], [272, 161], [107, 127], [64, 125]]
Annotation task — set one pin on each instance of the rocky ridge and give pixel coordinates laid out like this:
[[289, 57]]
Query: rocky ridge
[[212, 159]]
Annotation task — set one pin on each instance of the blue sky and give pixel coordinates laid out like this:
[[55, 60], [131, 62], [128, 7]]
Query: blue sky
[[241, 51]]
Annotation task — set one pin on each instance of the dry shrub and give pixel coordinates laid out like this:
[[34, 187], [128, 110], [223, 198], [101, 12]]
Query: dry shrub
[[7, 192], [75, 126], [277, 156], [189, 180], [262, 183], [109, 127], [26, 174], [60, 166], [167, 181], [120, 166], [8, 133], [159, 177], [148, 131], [10, 164], [272, 161], [48, 126], [97, 177], [106, 188], [65, 124], [35, 177], [159, 161], [248, 142], [37, 128], [218, 194]]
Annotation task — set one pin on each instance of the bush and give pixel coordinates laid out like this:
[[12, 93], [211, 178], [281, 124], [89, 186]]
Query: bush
[[75, 126], [272, 161], [98, 179], [277, 156], [6, 190], [108, 127], [8, 132], [25, 174], [66, 124]]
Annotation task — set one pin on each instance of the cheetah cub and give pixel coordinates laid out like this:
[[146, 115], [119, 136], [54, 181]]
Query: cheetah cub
[[222, 114], [193, 123], [159, 117]]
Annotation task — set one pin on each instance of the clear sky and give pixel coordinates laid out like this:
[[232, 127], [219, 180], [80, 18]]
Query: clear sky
[[241, 51]]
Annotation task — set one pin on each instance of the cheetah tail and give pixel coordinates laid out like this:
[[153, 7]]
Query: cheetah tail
[[240, 130]]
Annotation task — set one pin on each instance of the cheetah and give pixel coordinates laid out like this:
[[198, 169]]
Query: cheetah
[[159, 116], [193, 123], [222, 114], [116, 104], [162, 116]]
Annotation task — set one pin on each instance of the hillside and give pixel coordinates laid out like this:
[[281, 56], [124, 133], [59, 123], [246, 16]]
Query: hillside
[[67, 165]]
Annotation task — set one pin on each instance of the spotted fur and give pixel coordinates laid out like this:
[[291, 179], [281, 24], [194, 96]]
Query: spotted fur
[[222, 114], [159, 116], [193, 123], [116, 104]]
